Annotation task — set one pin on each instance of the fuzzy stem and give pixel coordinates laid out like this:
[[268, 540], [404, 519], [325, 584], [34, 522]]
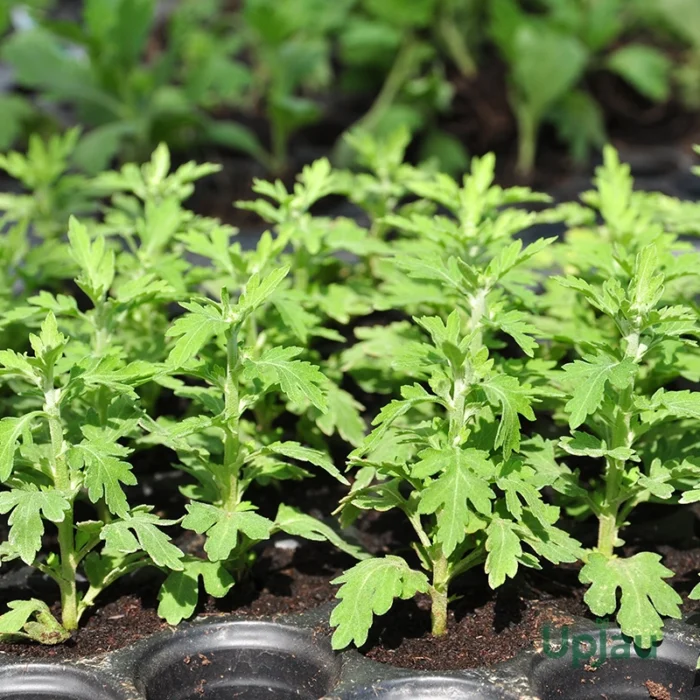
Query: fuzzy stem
[[621, 436], [232, 441], [66, 535], [438, 594]]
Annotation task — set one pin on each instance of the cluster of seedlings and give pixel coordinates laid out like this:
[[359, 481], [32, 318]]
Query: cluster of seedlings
[[501, 369]]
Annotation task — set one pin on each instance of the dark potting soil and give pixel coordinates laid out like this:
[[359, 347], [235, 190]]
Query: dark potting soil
[[483, 631], [488, 634], [284, 581], [484, 627]]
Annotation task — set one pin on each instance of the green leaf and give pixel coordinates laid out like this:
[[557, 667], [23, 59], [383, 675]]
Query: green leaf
[[682, 404], [463, 480], [645, 68], [234, 135], [584, 444], [412, 396], [96, 149], [589, 378], [105, 471], [10, 431], [259, 289], [306, 454], [293, 522], [504, 551], [514, 399], [546, 64], [368, 589], [657, 481], [40, 61], [301, 381], [194, 330], [17, 622], [342, 416], [580, 122], [223, 527], [179, 593], [513, 323], [645, 595], [418, 13], [140, 531], [29, 507]]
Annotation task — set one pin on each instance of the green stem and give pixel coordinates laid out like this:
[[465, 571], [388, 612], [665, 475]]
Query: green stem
[[438, 594], [476, 319], [93, 592], [401, 71], [457, 44], [474, 558], [232, 441], [302, 264], [66, 530], [278, 138], [620, 436], [528, 129]]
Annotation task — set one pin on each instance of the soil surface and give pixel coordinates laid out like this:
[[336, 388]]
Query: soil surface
[[284, 581], [480, 634], [290, 576]]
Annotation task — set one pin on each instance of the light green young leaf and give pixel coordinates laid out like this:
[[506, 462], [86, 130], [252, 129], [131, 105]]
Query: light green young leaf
[[48, 346], [462, 481], [647, 283], [306, 454], [140, 531], [504, 551], [12, 363], [645, 595], [295, 316], [589, 378], [223, 527], [513, 399], [95, 260], [412, 396], [301, 381], [29, 507], [179, 593], [259, 289], [299, 524], [193, 330], [657, 481], [514, 324], [682, 404], [10, 431], [368, 589]]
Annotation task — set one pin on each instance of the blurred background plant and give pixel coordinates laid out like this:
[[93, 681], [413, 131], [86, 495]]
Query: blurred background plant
[[261, 77]]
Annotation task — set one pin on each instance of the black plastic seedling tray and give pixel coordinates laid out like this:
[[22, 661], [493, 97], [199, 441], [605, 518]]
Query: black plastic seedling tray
[[225, 658]]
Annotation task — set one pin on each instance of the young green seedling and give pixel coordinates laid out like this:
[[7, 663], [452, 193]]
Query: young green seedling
[[222, 448], [448, 458], [618, 414], [64, 447]]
